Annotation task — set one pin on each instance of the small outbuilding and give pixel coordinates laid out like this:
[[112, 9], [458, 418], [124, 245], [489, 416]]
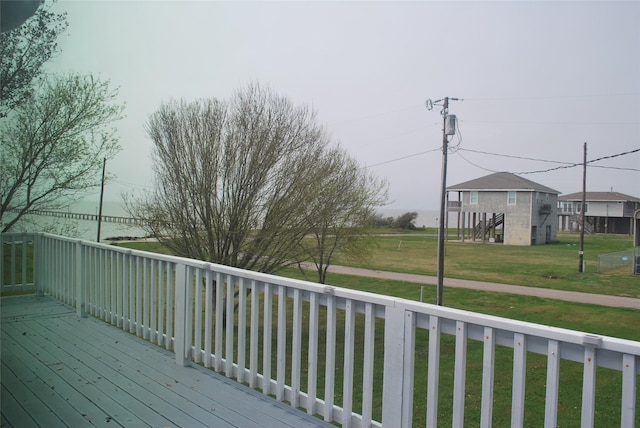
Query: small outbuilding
[[504, 207]]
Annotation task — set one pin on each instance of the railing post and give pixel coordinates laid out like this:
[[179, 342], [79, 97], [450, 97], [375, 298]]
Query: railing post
[[181, 346], [81, 294], [398, 365]]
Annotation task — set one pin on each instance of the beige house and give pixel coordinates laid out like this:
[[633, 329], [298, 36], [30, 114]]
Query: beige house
[[505, 207]]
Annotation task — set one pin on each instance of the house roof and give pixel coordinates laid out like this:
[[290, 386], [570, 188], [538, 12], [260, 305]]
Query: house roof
[[502, 181], [599, 197]]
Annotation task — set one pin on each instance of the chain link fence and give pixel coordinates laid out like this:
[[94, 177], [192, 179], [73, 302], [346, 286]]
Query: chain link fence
[[628, 260]]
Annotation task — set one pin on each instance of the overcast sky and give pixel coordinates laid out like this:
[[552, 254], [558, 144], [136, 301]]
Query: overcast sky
[[538, 79]]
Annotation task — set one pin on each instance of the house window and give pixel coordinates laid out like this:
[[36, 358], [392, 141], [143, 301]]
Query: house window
[[511, 198], [473, 198], [579, 207]]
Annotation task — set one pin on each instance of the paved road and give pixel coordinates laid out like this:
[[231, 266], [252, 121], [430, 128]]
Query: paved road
[[571, 296]]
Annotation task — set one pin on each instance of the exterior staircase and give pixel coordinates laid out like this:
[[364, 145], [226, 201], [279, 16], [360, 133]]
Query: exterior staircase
[[477, 231]]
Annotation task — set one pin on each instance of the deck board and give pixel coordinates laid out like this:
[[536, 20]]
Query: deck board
[[62, 370]]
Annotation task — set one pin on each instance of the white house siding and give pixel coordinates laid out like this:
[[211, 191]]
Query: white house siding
[[545, 220], [605, 209], [519, 218]]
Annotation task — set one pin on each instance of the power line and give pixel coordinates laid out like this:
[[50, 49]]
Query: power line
[[556, 97], [513, 156], [402, 158], [476, 165], [565, 165]]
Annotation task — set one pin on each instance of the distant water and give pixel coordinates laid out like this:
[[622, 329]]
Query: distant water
[[85, 229], [82, 229]]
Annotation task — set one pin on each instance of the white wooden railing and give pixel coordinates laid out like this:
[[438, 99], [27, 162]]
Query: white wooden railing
[[302, 342]]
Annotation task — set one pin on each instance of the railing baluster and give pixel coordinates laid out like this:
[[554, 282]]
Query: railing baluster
[[162, 305], [460, 374], [629, 385], [330, 360], [553, 380], [131, 294], [120, 284], [219, 291], [242, 330], [347, 378], [24, 262], [254, 335], [181, 344], [171, 290], [113, 288], [281, 351], [198, 317], [296, 349], [312, 359], [139, 295], [103, 285], [146, 303], [230, 324], [79, 283], [266, 341], [589, 387], [153, 337], [368, 363], [188, 340], [488, 371], [208, 317], [408, 367], [13, 262], [519, 379], [433, 371]]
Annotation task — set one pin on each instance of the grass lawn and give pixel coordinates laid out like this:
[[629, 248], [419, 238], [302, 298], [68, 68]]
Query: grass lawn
[[547, 266]]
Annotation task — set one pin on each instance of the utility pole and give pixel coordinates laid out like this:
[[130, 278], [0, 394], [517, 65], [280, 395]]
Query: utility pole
[[104, 163], [448, 128], [584, 200]]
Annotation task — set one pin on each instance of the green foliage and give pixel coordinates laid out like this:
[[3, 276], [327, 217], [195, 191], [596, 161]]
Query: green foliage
[[405, 221], [547, 266], [53, 144], [23, 51]]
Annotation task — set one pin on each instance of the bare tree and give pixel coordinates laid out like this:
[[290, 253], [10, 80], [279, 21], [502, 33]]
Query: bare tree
[[235, 179], [53, 144], [340, 213]]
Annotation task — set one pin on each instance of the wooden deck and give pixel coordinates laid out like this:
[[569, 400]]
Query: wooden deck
[[61, 370]]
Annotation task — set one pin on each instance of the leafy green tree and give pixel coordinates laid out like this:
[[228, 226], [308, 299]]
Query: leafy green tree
[[406, 221], [23, 51], [53, 143]]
